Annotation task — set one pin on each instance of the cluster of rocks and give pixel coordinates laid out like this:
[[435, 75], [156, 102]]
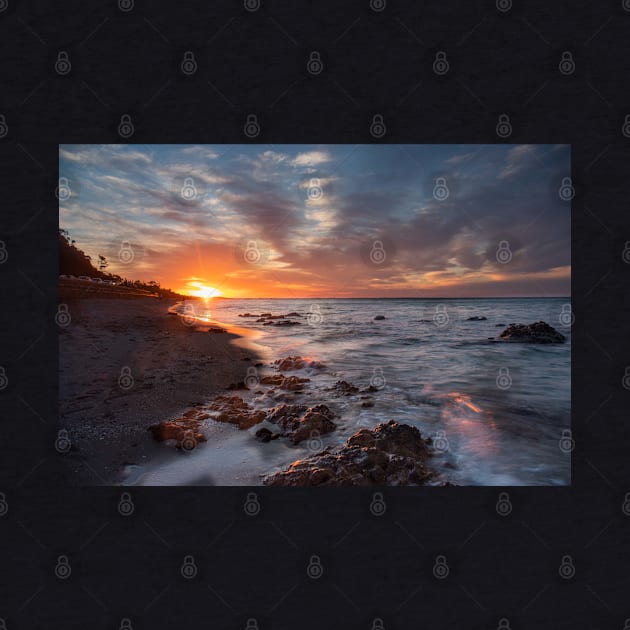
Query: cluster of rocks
[[343, 388], [538, 332], [183, 431], [270, 315], [289, 364], [235, 410], [389, 454], [268, 319], [289, 383], [298, 422]]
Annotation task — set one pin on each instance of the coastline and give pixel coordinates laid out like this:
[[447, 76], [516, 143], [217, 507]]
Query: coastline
[[293, 421], [173, 367]]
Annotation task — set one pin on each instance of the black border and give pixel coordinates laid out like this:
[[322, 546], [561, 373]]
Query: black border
[[374, 63]]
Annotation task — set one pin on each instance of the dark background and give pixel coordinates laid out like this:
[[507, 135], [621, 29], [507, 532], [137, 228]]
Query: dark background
[[374, 62]]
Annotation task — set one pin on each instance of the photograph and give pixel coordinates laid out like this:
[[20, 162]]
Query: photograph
[[315, 315]]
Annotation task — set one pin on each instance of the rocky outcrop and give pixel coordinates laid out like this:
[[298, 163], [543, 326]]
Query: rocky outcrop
[[184, 431], [235, 410], [296, 363], [538, 332], [299, 422], [344, 388], [379, 317], [390, 454], [290, 383], [281, 413], [477, 318], [265, 435], [267, 319]]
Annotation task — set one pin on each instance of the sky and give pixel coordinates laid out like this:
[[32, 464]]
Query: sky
[[325, 220]]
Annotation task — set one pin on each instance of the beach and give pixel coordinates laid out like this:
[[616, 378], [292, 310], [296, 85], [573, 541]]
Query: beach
[[494, 412], [300, 392], [172, 367]]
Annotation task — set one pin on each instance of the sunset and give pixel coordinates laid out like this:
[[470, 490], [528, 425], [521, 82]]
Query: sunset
[[324, 220], [306, 315]]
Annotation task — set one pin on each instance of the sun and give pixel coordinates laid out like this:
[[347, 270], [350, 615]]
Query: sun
[[199, 289], [207, 292]]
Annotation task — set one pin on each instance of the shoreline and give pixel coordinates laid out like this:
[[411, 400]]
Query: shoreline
[[193, 387], [172, 368]]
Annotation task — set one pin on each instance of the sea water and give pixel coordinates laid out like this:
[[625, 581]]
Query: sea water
[[497, 412]]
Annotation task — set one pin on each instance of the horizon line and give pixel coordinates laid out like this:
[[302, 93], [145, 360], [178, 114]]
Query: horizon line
[[402, 297]]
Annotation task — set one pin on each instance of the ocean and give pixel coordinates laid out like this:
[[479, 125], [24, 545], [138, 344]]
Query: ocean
[[499, 413]]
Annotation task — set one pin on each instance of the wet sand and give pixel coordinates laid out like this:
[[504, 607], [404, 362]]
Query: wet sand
[[172, 367]]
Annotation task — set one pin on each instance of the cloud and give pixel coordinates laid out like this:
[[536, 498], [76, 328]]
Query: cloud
[[316, 245], [517, 159], [458, 159], [201, 152], [272, 156], [311, 158]]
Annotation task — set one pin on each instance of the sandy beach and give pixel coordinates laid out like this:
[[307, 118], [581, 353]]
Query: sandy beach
[[173, 367]]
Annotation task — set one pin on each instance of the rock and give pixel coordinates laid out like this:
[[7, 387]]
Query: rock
[[300, 422], [296, 363], [391, 454], [370, 389], [317, 420], [265, 315], [293, 314], [367, 404], [287, 322], [283, 412], [378, 317], [477, 318], [247, 315], [265, 435], [290, 383], [393, 438], [344, 388], [167, 431], [235, 410], [499, 325], [290, 363], [184, 430], [538, 332], [215, 329]]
